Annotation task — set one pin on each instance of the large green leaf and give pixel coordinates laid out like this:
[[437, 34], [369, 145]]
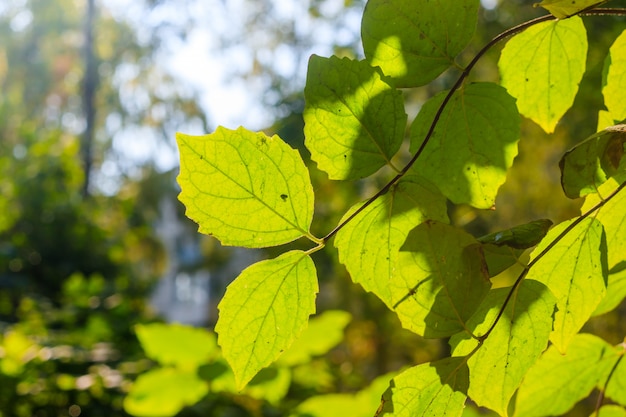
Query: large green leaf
[[613, 216], [431, 389], [615, 79], [323, 333], [164, 392], [592, 162], [263, 312], [369, 244], [354, 119], [575, 270], [517, 340], [563, 9], [175, 344], [442, 279], [245, 188], [473, 144], [542, 68], [414, 41], [556, 382]]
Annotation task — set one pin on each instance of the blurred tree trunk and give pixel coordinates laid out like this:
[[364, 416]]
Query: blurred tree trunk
[[90, 84]]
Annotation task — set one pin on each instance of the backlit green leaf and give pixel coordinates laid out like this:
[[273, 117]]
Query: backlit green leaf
[[361, 404], [615, 290], [414, 41], [175, 344], [543, 392], [245, 188], [264, 310], [498, 366], [565, 8], [473, 144], [575, 271], [615, 80], [592, 162], [270, 384], [323, 333], [164, 392], [542, 68], [613, 216], [431, 389], [442, 279], [354, 119], [370, 243], [610, 410], [616, 386]]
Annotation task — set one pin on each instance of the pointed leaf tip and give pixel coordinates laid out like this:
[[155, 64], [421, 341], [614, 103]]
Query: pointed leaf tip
[[263, 312]]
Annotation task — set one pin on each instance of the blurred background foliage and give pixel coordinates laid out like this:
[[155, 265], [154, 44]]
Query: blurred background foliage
[[89, 223]]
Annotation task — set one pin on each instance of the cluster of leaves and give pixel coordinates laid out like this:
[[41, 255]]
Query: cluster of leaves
[[193, 372], [251, 190]]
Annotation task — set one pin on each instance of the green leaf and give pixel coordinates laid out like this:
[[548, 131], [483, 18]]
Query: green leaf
[[270, 384], [613, 217], [542, 68], [442, 279], [431, 389], [245, 188], [615, 290], [610, 410], [615, 80], [323, 333], [164, 392], [592, 162], [563, 9], [616, 387], [575, 271], [361, 404], [369, 244], [519, 237], [517, 340], [543, 392], [178, 345], [473, 144], [414, 41], [263, 312], [354, 119]]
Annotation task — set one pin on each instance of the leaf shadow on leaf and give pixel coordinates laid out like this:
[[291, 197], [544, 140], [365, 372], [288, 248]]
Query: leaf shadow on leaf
[[340, 150], [445, 278], [473, 145]]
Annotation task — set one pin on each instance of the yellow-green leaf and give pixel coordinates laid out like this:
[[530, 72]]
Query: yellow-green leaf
[[354, 119], [563, 9], [431, 389], [575, 270], [264, 310], [245, 188], [414, 41], [543, 66], [543, 392], [369, 244], [164, 392], [473, 144], [174, 344], [442, 279], [615, 79], [517, 340]]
